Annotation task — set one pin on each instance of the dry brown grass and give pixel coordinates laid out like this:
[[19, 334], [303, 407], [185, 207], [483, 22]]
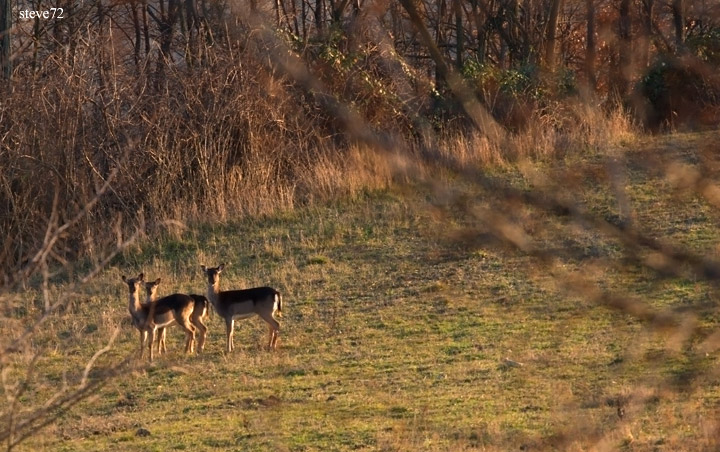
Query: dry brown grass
[[237, 140]]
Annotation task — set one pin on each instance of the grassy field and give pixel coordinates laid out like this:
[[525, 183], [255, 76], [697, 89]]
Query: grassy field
[[400, 334]]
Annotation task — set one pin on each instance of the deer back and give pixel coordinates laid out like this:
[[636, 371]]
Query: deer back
[[242, 303]]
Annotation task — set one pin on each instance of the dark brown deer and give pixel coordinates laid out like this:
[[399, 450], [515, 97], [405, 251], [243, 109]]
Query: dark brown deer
[[241, 304], [199, 314], [149, 318]]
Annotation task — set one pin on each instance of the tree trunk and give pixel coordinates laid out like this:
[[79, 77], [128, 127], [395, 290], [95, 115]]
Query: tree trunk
[[550, 34], [440, 42], [146, 27], [648, 6], [625, 60], [526, 52], [590, 51], [166, 29], [166, 23], [136, 25], [679, 24], [192, 18], [459, 35], [303, 15], [5, 26], [296, 24], [480, 33], [319, 15], [511, 14]]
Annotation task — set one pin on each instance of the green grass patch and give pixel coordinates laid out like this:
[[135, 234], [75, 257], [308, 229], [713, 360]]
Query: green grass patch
[[398, 336]]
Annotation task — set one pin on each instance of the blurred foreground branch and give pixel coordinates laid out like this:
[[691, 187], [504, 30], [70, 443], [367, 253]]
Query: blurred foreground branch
[[19, 356]]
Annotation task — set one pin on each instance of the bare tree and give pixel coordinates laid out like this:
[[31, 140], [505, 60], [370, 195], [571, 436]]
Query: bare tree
[[5, 28], [459, 34], [590, 50], [550, 31], [678, 13], [645, 37], [624, 48]]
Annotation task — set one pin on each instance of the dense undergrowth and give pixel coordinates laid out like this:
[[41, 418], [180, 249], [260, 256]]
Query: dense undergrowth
[[243, 135]]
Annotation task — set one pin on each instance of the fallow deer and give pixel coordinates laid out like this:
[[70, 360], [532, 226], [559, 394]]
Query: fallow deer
[[199, 313], [240, 304], [148, 318]]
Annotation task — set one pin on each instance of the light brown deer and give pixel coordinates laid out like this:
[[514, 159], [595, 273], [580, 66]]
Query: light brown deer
[[241, 304], [148, 318], [199, 314]]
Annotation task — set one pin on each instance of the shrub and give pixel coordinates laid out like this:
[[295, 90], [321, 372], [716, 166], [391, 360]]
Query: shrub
[[678, 92]]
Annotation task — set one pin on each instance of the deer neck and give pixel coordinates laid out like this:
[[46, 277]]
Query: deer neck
[[214, 293], [134, 304]]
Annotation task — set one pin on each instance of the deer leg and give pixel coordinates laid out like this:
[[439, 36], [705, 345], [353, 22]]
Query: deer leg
[[152, 340], [189, 335], [274, 340], [274, 329], [143, 338], [229, 324], [271, 334], [158, 342], [161, 348], [203, 333]]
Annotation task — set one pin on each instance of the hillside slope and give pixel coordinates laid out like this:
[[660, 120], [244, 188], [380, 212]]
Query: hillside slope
[[407, 326]]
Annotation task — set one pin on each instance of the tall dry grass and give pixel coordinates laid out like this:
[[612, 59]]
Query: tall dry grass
[[234, 138]]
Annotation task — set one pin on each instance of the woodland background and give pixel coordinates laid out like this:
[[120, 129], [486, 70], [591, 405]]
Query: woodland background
[[562, 138], [198, 108]]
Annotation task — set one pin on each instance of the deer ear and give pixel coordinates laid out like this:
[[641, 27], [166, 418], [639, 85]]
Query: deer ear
[[124, 279], [141, 277], [221, 267], [203, 268], [157, 281]]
